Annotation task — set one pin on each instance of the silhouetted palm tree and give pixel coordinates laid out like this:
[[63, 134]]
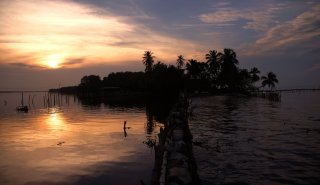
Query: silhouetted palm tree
[[269, 80], [180, 62], [254, 74], [244, 81], [148, 60], [194, 68], [229, 71], [229, 56], [213, 63]]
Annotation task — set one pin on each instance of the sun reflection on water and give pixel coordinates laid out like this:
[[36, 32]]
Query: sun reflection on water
[[56, 122]]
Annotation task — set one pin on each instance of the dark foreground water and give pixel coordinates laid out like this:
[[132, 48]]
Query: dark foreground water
[[256, 141], [74, 142]]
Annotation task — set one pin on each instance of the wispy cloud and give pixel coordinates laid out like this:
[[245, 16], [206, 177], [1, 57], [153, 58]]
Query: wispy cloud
[[257, 19], [71, 62], [221, 4], [187, 26], [73, 30], [24, 65], [127, 9], [302, 33]]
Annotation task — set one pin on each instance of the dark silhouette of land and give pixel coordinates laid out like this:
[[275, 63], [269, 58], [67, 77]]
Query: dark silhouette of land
[[218, 74]]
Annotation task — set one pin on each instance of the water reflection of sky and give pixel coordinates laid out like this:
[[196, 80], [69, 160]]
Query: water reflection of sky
[[63, 145]]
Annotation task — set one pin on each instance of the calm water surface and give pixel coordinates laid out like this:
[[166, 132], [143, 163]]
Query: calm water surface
[[243, 141], [74, 143], [256, 141]]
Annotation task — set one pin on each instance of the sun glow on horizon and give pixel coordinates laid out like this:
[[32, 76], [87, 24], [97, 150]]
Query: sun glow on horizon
[[83, 34], [53, 61], [53, 64]]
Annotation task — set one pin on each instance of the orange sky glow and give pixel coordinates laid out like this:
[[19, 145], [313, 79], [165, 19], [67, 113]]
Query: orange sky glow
[[64, 34]]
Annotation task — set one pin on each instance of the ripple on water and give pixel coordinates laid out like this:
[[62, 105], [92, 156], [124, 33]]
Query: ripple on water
[[255, 141]]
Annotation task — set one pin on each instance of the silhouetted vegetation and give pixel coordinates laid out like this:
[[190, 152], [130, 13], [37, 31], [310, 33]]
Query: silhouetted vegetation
[[219, 73], [126, 81], [270, 80], [90, 83], [148, 60], [69, 89], [180, 62]]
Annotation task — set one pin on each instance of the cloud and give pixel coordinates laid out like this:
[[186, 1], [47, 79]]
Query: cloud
[[257, 19], [188, 26], [71, 62], [298, 35], [221, 4], [75, 30], [125, 9], [24, 65]]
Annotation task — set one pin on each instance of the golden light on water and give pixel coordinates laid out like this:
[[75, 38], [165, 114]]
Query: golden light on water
[[55, 120], [56, 123]]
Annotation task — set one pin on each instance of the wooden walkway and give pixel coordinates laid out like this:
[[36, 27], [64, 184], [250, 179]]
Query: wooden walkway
[[174, 161]]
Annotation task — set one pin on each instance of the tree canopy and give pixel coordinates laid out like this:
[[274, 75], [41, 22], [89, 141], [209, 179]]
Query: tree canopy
[[270, 80], [219, 72], [148, 60]]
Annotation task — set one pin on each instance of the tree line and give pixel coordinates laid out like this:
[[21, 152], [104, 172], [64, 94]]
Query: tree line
[[218, 73]]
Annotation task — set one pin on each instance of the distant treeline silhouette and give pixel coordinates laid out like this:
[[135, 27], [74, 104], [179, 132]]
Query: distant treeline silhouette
[[219, 73]]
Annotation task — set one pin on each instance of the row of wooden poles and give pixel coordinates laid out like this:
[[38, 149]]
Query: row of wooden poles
[[53, 99], [49, 100]]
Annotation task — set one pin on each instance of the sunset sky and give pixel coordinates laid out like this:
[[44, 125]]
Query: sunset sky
[[44, 44]]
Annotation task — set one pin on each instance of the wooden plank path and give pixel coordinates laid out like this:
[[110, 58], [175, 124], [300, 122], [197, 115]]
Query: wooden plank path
[[174, 161]]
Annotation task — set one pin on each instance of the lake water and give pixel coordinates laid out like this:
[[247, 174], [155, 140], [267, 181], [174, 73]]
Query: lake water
[[242, 140], [256, 141], [75, 142]]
